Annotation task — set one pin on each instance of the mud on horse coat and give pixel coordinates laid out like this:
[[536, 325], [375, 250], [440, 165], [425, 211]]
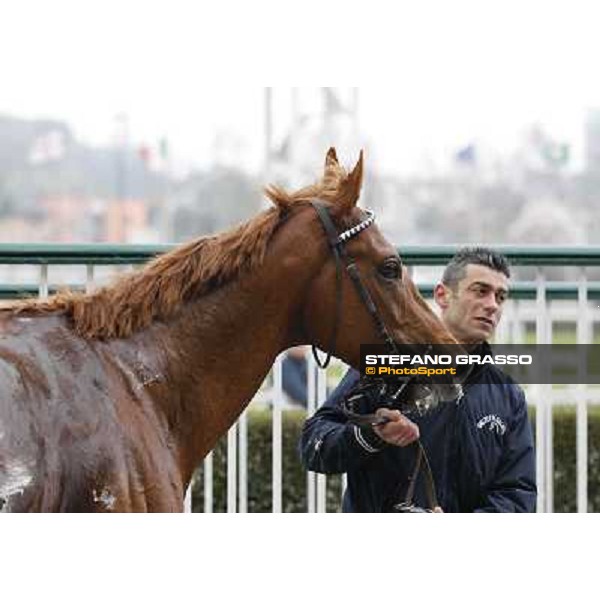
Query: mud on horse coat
[[109, 400]]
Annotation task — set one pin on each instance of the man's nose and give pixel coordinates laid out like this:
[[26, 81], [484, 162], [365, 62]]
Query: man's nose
[[491, 304]]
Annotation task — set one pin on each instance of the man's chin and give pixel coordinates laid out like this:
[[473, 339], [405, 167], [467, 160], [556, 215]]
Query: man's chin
[[483, 330], [478, 336]]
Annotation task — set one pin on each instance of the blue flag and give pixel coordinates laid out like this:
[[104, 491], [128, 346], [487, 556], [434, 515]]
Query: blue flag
[[466, 155]]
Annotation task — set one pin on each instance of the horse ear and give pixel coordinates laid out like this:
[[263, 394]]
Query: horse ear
[[355, 181], [357, 173], [331, 159], [350, 188]]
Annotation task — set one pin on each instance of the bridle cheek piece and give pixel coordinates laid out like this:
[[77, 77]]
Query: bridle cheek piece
[[342, 259], [336, 243]]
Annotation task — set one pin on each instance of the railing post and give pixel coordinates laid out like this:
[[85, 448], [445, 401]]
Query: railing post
[[544, 437], [277, 401], [187, 500], [540, 416], [583, 337], [311, 406], [208, 483], [243, 465], [321, 479], [89, 278], [232, 469], [43, 286]]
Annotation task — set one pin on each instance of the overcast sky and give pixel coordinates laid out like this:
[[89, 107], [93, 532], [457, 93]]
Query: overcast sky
[[432, 76]]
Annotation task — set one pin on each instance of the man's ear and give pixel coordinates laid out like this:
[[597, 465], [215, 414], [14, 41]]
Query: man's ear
[[442, 295]]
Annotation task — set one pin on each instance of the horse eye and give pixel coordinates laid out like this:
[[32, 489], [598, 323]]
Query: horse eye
[[391, 269]]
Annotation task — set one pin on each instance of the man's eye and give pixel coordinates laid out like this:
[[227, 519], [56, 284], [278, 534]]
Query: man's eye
[[391, 269]]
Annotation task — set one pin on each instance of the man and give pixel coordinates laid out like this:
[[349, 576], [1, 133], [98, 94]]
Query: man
[[294, 375], [480, 448]]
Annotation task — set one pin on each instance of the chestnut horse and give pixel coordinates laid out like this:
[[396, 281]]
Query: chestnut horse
[[109, 400]]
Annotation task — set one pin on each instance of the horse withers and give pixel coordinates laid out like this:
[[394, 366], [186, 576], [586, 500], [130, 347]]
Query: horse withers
[[110, 399]]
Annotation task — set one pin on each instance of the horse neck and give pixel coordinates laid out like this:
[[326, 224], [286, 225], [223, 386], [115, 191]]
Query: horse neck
[[223, 345]]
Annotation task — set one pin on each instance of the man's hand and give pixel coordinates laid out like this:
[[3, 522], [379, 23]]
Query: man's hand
[[398, 430]]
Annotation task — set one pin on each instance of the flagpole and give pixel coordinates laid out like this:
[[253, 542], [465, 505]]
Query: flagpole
[[268, 133], [168, 208], [121, 190]]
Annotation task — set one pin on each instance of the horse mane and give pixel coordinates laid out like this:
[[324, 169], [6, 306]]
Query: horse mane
[[159, 289]]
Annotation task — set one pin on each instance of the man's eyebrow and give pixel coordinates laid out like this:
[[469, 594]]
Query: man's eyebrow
[[489, 286], [481, 283]]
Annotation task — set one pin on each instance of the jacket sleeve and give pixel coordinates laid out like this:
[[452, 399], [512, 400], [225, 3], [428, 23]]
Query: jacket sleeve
[[513, 488], [329, 443]]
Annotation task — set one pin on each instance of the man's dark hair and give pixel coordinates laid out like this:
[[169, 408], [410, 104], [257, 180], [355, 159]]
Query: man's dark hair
[[477, 255]]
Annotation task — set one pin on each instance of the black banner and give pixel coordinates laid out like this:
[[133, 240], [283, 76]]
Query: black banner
[[525, 363]]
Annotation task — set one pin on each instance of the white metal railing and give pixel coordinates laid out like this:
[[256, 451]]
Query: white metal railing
[[544, 397], [581, 312]]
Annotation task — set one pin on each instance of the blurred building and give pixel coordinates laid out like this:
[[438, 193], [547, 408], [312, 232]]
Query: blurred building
[[69, 219]]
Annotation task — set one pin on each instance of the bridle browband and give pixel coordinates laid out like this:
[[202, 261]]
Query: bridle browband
[[336, 243]]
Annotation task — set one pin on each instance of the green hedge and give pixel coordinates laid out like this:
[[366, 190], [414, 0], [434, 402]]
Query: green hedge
[[565, 461], [294, 476]]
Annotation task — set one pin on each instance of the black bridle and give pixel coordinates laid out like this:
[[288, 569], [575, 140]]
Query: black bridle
[[342, 259]]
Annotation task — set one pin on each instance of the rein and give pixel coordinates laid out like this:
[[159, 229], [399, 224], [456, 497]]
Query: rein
[[408, 504]]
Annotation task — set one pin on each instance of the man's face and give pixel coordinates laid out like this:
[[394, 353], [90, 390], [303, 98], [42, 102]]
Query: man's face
[[473, 310]]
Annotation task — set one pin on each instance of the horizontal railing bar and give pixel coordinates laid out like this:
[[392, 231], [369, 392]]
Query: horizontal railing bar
[[527, 290], [76, 254], [24, 290], [517, 255], [518, 291], [413, 255]]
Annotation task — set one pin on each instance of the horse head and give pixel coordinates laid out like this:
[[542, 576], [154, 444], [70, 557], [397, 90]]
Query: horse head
[[362, 292]]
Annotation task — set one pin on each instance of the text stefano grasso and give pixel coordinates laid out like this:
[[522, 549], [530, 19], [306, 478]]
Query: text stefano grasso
[[447, 359]]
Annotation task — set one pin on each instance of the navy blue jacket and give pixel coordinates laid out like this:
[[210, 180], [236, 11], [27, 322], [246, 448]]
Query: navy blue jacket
[[480, 449]]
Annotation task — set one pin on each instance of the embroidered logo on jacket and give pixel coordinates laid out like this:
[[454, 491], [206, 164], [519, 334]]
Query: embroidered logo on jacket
[[492, 423]]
